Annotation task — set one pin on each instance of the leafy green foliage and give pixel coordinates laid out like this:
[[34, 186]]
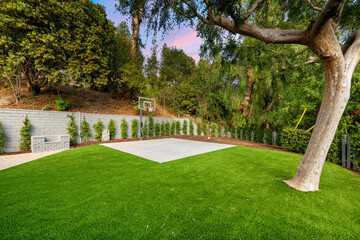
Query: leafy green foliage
[[295, 140], [85, 130], [124, 126], [134, 128], [112, 128], [25, 135], [98, 127], [45, 43], [258, 134], [278, 138], [173, 127], [151, 126], [248, 133], [2, 139], [72, 129], [268, 136], [145, 129], [219, 130], [185, 127], [167, 128], [62, 105], [205, 129], [233, 131], [162, 128], [226, 130], [177, 127], [191, 128], [213, 129], [198, 129], [157, 129]]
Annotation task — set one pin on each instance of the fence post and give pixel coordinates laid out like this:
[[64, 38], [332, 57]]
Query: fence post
[[343, 151]]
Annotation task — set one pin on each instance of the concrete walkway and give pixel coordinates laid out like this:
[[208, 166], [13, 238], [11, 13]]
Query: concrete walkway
[[17, 159], [167, 149]]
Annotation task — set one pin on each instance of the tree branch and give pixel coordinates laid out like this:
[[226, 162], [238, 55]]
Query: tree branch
[[340, 14], [330, 10], [265, 35], [179, 11], [351, 50], [313, 7], [252, 9]]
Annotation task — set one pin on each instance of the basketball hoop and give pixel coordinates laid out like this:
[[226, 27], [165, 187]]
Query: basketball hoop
[[150, 109]]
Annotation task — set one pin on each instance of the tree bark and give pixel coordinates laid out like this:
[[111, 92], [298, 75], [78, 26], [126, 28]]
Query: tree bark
[[136, 21], [338, 73], [247, 97]]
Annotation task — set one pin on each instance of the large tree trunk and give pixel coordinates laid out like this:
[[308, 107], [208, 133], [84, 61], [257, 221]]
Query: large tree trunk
[[247, 97], [136, 21], [338, 74]]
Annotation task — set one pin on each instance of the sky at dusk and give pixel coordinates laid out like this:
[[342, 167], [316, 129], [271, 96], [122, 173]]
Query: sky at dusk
[[183, 38]]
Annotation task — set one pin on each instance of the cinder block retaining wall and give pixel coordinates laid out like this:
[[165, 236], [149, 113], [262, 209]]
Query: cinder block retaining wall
[[46, 123]]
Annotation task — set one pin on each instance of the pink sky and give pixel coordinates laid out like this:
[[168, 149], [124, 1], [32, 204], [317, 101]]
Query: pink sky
[[181, 38]]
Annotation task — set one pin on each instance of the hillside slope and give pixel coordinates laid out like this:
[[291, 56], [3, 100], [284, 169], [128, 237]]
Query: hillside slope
[[81, 100]]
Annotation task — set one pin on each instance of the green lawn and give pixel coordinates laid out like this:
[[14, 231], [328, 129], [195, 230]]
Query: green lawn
[[96, 192]]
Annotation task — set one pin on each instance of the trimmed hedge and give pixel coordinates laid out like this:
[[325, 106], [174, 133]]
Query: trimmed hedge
[[295, 140]]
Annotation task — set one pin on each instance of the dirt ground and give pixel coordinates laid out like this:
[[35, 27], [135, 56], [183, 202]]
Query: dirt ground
[[81, 100]]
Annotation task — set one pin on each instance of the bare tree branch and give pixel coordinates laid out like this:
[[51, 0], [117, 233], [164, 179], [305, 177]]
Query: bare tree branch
[[313, 7], [340, 14], [252, 9]]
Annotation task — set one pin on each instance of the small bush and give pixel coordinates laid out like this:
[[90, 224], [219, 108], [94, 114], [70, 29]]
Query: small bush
[[112, 128], [258, 134], [151, 126], [204, 129], [177, 127], [167, 128], [268, 136], [98, 127], [162, 133], [213, 130], [123, 127], [157, 129], [46, 107], [71, 129], [248, 133], [145, 129], [219, 130], [2, 139], [185, 128], [226, 130], [173, 126], [191, 128], [237, 133], [134, 128], [62, 105], [25, 135], [198, 129], [233, 131], [85, 130], [278, 139], [295, 140]]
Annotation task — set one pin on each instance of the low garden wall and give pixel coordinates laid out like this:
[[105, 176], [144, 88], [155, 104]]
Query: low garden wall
[[49, 123]]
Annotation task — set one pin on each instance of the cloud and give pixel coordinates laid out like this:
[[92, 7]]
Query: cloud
[[188, 39]]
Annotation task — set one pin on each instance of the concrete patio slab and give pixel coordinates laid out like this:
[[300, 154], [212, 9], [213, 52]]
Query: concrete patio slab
[[8, 161], [168, 149]]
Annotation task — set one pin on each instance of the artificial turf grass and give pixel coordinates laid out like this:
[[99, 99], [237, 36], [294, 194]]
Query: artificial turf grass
[[98, 192]]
